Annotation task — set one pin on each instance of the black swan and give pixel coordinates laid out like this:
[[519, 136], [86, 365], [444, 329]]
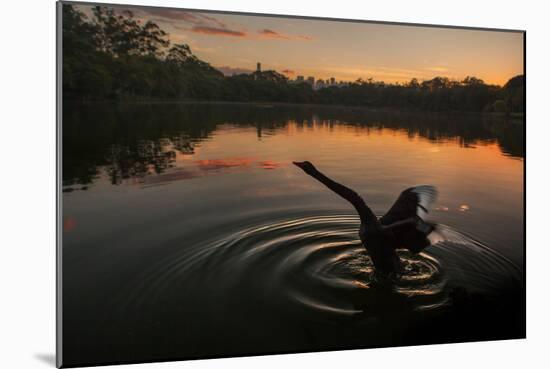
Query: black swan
[[402, 227]]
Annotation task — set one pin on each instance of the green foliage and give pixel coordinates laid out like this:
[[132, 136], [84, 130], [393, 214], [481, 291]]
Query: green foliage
[[115, 56], [514, 93], [499, 106]]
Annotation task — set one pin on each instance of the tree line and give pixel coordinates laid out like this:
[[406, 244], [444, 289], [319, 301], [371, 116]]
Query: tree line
[[114, 56]]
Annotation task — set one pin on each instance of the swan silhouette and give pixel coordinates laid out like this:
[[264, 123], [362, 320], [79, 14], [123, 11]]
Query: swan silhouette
[[402, 227]]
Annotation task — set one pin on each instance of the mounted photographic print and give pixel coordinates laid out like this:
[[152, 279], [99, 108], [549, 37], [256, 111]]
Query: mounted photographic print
[[239, 184]]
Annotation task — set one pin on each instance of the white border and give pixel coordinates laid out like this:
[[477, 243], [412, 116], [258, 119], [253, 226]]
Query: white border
[[27, 235]]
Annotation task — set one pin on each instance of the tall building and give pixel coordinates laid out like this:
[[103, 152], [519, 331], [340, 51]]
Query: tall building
[[320, 84], [258, 67], [311, 81], [332, 81], [300, 79]]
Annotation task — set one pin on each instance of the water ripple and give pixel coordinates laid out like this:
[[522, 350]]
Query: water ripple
[[318, 267]]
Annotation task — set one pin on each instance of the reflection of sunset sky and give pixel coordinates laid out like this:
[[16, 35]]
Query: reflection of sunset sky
[[344, 50], [244, 170], [354, 150], [215, 164]]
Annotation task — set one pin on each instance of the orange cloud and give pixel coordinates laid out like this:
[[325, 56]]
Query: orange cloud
[[438, 69], [288, 72], [217, 31]]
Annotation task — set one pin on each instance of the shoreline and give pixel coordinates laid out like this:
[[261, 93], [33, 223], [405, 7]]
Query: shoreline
[[270, 104]]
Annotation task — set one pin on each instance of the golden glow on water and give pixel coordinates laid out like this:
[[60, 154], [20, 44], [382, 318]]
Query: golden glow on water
[[481, 188], [358, 147], [245, 164]]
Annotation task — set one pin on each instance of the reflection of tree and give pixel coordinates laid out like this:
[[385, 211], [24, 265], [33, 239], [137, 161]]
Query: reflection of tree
[[509, 135], [145, 157], [184, 145], [131, 140], [135, 140]]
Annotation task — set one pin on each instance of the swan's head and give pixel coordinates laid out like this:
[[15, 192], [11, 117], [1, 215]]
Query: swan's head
[[306, 166]]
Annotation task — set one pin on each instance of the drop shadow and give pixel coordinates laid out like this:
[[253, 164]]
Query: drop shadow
[[46, 358]]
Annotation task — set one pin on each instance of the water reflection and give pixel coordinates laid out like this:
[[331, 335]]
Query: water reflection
[[200, 168], [128, 142], [186, 232]]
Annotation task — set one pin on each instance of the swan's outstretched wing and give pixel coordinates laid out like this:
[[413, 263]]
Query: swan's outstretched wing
[[412, 202], [406, 218], [445, 235]]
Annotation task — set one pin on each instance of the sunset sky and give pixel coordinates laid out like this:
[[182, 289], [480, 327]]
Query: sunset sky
[[344, 50]]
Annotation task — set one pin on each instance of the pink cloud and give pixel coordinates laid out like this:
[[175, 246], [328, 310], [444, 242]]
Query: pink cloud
[[269, 33], [185, 16]]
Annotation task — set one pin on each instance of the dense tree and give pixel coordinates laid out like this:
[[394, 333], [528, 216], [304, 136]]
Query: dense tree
[[115, 56], [514, 93]]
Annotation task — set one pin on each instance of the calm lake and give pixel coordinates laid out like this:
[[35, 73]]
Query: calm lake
[[187, 231]]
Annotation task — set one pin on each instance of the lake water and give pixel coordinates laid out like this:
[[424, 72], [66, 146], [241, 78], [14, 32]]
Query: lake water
[[188, 233]]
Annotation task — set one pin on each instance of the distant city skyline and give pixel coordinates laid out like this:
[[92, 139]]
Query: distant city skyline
[[314, 82], [345, 51]]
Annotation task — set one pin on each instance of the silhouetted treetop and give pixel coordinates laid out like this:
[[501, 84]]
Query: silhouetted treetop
[[113, 55]]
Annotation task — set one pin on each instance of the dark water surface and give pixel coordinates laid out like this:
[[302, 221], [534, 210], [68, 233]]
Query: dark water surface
[[188, 233]]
